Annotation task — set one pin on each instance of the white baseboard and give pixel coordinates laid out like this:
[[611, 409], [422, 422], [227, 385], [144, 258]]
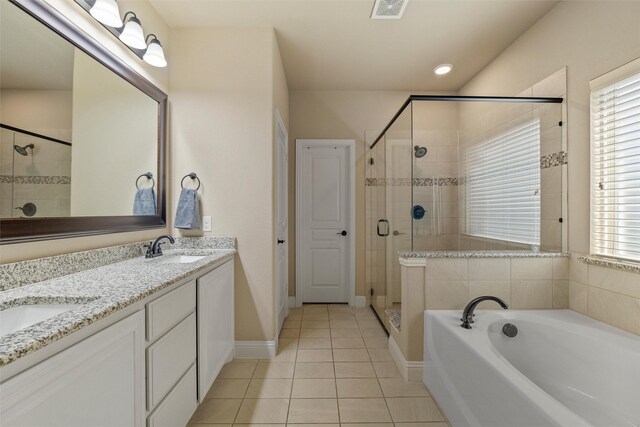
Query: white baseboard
[[292, 302], [410, 371], [255, 349]]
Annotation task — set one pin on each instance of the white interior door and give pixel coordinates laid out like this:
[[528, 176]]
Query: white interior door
[[324, 221], [282, 219]]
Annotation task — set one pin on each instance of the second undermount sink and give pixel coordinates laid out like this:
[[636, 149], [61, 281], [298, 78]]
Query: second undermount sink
[[180, 259], [15, 318]]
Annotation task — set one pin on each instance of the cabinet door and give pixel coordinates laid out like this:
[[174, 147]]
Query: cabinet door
[[97, 382], [169, 358], [216, 336]]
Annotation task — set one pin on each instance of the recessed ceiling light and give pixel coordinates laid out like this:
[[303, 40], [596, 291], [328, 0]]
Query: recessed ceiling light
[[443, 69]]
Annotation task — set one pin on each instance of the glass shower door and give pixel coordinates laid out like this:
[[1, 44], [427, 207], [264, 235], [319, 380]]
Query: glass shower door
[[398, 174], [377, 224]]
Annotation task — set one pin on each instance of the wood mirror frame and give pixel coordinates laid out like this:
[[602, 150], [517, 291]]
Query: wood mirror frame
[[34, 229]]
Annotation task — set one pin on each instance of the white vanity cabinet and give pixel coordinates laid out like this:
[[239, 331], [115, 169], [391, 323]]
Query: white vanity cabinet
[[171, 357], [148, 369], [96, 382], [216, 336]]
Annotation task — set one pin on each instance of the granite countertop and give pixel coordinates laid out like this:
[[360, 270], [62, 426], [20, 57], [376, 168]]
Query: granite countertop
[[101, 291], [483, 254]]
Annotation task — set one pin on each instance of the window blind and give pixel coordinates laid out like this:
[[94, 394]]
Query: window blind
[[503, 186], [615, 195]]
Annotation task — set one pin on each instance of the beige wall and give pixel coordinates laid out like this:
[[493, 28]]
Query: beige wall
[[339, 114], [281, 105], [160, 77], [47, 112], [590, 38], [225, 85], [114, 140]]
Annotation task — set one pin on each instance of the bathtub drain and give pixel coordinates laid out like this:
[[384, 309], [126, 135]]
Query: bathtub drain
[[510, 330]]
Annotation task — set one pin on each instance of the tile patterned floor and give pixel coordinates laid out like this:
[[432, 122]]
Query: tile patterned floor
[[333, 369]]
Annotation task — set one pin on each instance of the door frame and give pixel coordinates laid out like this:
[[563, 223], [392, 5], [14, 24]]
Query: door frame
[[279, 322], [350, 144]]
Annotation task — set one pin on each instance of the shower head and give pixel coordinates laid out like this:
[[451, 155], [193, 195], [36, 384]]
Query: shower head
[[420, 151], [23, 150]]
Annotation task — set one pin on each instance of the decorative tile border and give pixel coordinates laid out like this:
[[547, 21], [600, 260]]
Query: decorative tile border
[[405, 182], [551, 160], [482, 254], [556, 159], [25, 179], [609, 263]]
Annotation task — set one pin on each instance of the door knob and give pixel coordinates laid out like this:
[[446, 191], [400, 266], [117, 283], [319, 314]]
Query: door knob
[[342, 233], [397, 233], [280, 241]]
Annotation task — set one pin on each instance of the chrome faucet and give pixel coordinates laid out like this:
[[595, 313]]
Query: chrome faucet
[[154, 249], [467, 314]]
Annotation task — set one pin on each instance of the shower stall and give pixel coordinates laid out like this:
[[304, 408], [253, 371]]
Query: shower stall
[[35, 174], [454, 173]]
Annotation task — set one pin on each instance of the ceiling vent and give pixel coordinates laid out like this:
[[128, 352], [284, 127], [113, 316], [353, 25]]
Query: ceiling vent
[[388, 9]]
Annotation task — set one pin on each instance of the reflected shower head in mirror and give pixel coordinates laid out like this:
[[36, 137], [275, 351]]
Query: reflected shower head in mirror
[[23, 150], [420, 151]]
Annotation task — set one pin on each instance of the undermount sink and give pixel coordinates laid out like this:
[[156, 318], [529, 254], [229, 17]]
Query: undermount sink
[[15, 318], [181, 259]]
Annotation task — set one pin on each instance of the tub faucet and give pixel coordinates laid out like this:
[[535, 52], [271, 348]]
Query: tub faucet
[[154, 249], [467, 314]]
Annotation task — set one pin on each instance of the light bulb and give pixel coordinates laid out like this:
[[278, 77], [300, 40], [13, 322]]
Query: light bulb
[[155, 54], [107, 13], [132, 34]]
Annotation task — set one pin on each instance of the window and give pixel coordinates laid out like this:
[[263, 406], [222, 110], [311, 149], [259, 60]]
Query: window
[[503, 186], [615, 173]]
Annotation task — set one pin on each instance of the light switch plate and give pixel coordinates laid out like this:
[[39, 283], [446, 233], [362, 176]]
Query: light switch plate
[[206, 223]]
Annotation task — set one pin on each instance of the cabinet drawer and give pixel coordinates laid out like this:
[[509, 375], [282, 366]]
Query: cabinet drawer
[[166, 311], [181, 402], [169, 358]]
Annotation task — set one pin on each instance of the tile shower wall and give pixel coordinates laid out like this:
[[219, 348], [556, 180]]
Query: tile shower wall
[[606, 294], [523, 283], [436, 189], [42, 177]]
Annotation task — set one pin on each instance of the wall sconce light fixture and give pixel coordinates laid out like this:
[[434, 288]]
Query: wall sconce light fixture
[[128, 29], [154, 54]]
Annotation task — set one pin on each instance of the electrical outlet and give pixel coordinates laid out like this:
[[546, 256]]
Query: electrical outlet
[[206, 223]]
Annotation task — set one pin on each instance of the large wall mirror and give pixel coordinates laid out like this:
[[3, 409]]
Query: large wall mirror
[[82, 135]]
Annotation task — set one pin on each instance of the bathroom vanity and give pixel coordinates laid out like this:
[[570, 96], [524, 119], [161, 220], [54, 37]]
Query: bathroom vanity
[[142, 343]]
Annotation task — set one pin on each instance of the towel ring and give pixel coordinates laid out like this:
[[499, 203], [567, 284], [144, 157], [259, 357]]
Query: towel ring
[[148, 175], [191, 175]]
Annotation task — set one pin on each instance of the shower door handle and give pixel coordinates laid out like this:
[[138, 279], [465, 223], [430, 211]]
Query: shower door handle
[[386, 224]]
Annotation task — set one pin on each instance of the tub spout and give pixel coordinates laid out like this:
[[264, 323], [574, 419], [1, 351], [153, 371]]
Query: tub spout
[[467, 314]]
